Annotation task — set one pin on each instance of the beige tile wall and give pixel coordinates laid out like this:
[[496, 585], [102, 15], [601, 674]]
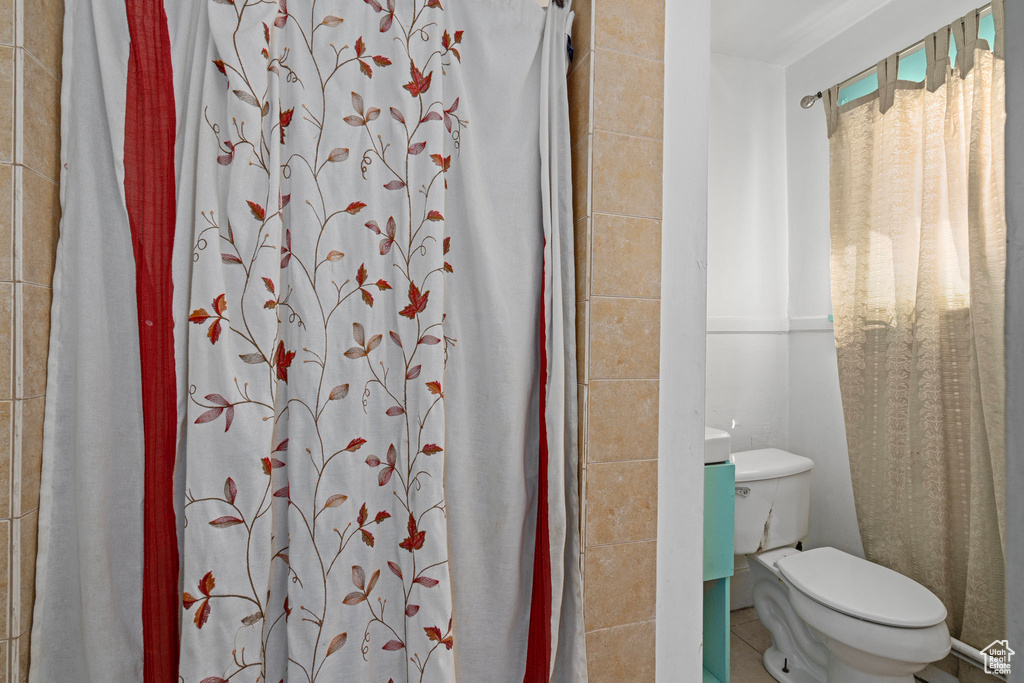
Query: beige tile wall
[[30, 55], [616, 109]]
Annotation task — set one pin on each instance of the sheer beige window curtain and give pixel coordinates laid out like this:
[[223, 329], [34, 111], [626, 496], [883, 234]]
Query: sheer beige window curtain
[[918, 272]]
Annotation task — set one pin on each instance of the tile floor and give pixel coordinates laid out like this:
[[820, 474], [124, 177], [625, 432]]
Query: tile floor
[[748, 642]]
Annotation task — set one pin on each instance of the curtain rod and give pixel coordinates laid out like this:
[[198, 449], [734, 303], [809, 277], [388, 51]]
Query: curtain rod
[[807, 101]]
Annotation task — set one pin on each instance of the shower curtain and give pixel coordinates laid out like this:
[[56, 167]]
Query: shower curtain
[[918, 271], [311, 410]]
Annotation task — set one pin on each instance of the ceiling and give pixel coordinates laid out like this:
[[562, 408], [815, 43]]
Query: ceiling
[[781, 31]]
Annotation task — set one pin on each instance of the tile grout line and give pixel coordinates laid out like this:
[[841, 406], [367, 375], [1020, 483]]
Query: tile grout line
[[14, 535], [628, 135], [595, 47], [632, 623], [42, 66]]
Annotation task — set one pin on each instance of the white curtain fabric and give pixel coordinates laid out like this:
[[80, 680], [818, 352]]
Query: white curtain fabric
[[918, 272], [90, 520], [370, 202]]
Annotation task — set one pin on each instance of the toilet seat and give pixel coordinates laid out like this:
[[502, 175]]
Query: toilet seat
[[861, 589]]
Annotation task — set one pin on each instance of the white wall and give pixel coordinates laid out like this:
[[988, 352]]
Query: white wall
[[815, 411], [747, 356], [683, 315]]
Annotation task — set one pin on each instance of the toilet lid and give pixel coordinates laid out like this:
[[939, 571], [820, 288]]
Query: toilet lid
[[861, 589]]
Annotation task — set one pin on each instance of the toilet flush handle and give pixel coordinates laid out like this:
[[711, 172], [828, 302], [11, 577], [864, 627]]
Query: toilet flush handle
[[743, 491]]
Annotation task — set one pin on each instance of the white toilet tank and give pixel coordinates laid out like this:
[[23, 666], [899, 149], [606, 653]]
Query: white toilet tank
[[773, 499]]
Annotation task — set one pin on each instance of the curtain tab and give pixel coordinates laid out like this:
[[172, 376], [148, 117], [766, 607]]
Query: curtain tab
[[887, 70], [831, 102], [936, 48], [965, 32], [999, 18]]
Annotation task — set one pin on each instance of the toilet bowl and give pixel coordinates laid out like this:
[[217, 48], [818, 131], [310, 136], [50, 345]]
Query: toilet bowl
[[832, 616]]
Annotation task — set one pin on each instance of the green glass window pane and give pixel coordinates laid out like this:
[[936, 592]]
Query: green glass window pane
[[864, 86], [987, 30], [914, 67]]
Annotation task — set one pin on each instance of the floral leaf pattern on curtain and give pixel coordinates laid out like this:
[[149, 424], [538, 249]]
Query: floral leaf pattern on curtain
[[315, 538]]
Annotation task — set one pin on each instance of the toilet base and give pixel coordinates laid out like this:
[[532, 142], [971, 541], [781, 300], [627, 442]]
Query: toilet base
[[781, 670]]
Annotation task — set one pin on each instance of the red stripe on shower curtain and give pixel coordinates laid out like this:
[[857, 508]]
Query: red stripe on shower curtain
[[150, 196], [538, 651]]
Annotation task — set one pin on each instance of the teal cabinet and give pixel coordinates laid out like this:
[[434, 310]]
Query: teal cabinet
[[719, 526]]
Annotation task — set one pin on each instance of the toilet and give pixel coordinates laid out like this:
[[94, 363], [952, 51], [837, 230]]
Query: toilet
[[832, 616]]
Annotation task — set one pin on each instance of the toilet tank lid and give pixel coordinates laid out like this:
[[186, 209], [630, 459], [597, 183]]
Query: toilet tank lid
[[861, 589], [768, 463]]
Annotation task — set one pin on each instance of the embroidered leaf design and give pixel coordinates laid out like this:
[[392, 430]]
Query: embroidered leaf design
[[444, 162], [338, 154], [335, 500], [222, 522], [354, 208], [417, 147], [416, 537], [252, 619], [336, 643], [353, 446], [230, 490], [199, 316], [247, 97], [356, 352], [340, 391], [419, 83], [257, 211], [426, 581], [209, 415], [395, 569], [358, 577], [417, 302], [203, 614], [354, 598], [392, 645], [397, 115], [335, 255], [282, 361], [332, 21]]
